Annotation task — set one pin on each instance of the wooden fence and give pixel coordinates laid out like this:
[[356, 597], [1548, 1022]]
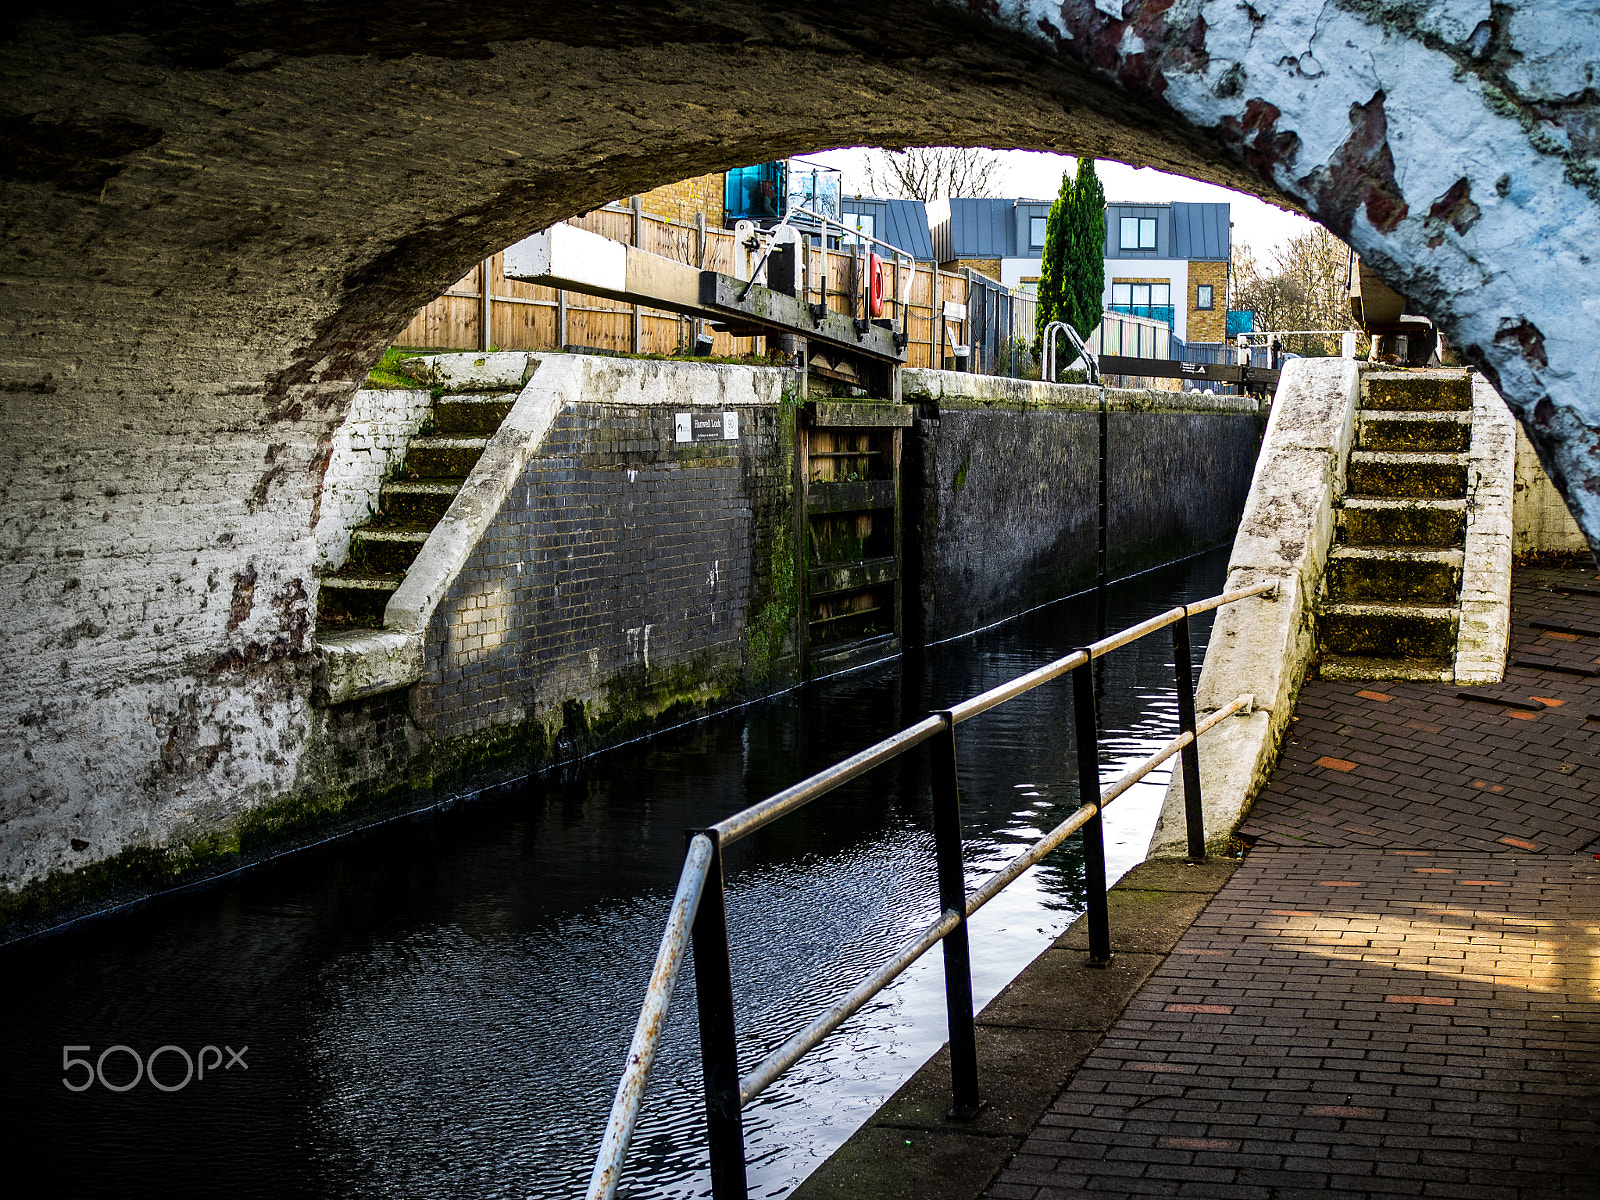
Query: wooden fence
[[485, 310]]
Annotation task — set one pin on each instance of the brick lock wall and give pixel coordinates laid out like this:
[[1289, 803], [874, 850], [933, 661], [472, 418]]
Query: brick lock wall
[[620, 572], [1208, 325], [1008, 500]]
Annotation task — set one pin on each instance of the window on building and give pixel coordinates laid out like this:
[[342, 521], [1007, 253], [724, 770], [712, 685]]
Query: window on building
[[866, 223], [1141, 295], [1203, 296], [1138, 233], [1036, 231]]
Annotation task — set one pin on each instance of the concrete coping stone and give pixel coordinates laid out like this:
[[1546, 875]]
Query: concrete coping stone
[[468, 372], [356, 663], [961, 388]]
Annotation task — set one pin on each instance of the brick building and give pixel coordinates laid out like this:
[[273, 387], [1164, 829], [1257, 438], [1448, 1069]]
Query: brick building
[[1170, 262], [682, 200], [1165, 261]]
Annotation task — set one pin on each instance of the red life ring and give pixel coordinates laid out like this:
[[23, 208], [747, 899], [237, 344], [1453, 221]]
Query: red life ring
[[875, 284]]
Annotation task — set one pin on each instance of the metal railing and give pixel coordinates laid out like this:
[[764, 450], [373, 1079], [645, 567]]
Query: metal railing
[[699, 912], [1047, 352]]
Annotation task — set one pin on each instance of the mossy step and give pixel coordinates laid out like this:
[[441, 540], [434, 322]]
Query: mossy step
[[425, 502], [1374, 521], [387, 551], [1393, 473], [469, 413], [354, 597], [1371, 630], [1417, 391], [1362, 573], [1414, 670], [443, 457], [1451, 432]]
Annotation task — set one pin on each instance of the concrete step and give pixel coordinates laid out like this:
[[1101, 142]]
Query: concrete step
[[354, 597], [1449, 431], [387, 551], [1394, 575], [1377, 521], [443, 457], [1428, 475], [1419, 670], [471, 414], [1417, 391], [419, 501], [1373, 630]]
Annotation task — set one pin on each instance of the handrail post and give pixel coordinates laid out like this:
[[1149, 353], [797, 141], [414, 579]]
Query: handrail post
[[719, 1050], [1183, 669], [1094, 838], [953, 898]]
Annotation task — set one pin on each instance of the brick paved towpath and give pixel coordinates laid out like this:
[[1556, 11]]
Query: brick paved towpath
[[1398, 991]]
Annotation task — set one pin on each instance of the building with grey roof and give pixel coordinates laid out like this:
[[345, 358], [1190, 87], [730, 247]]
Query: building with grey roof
[[1165, 261]]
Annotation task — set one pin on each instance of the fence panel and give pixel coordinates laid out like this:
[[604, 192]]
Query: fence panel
[[526, 316]]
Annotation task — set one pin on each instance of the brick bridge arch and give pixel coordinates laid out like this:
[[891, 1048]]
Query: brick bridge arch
[[216, 218]]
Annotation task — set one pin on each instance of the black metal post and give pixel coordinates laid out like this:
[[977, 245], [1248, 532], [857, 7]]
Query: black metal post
[[1094, 838], [719, 1051], [1183, 669], [953, 897], [1100, 542]]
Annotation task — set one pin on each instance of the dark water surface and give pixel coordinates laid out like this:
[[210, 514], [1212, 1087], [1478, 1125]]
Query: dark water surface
[[440, 1007]]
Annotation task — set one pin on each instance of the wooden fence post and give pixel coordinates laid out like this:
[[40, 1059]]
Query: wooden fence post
[[638, 313], [700, 261], [485, 303]]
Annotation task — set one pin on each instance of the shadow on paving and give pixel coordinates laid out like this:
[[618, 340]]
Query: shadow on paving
[[1396, 994]]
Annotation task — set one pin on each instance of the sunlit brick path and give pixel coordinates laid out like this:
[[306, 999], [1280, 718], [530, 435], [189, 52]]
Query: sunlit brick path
[[1398, 992]]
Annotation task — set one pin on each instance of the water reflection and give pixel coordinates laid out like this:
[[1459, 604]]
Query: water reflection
[[440, 1007]]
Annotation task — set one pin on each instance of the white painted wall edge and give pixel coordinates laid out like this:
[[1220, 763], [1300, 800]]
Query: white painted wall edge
[[1264, 646], [1485, 630]]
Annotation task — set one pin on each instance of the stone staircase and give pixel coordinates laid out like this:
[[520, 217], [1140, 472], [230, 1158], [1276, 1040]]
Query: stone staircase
[[1390, 606], [436, 464]]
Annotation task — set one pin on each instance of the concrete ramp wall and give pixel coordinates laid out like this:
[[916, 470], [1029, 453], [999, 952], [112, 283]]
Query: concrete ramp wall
[[1264, 646]]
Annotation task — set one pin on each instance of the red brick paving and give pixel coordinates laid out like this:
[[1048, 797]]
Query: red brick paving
[[1344, 1020]]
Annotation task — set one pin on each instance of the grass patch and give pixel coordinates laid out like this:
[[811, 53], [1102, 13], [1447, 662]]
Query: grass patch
[[386, 375]]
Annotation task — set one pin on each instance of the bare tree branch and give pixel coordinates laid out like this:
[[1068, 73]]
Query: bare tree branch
[[933, 173], [1304, 286]]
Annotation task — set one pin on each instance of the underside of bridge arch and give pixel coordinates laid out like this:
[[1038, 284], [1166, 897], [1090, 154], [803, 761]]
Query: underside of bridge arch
[[215, 219]]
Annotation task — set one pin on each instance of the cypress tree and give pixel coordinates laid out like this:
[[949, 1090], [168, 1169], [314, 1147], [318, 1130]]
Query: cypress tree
[[1084, 262], [1053, 303], [1072, 273]]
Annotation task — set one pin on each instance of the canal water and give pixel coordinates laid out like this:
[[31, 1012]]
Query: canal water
[[440, 1007]]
